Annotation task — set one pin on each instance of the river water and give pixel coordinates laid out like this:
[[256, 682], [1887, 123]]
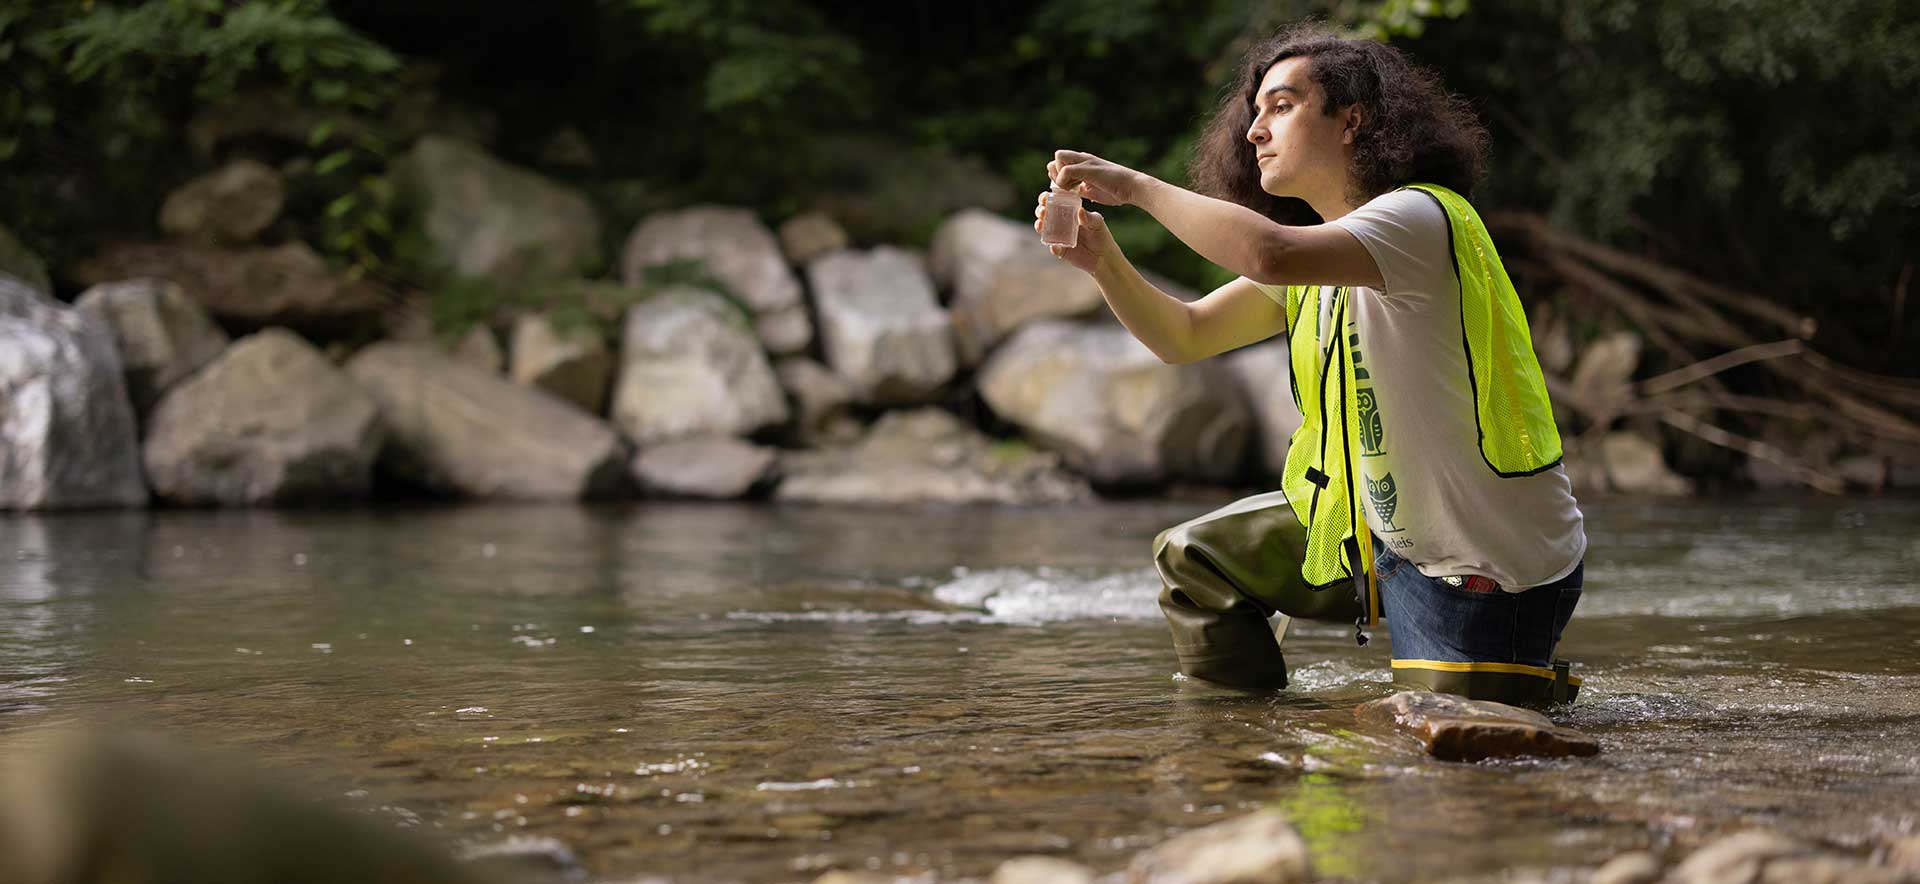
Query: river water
[[760, 693]]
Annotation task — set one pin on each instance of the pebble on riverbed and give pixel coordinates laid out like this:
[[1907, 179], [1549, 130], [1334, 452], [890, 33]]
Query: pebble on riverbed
[[1041, 870], [1761, 857], [1458, 729], [1260, 848]]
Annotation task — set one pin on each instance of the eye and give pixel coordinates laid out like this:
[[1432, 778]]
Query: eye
[[1281, 107]]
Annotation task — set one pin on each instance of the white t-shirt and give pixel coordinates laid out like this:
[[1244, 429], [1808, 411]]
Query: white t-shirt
[[1430, 494]]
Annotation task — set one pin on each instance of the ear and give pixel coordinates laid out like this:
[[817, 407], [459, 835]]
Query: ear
[[1355, 116]]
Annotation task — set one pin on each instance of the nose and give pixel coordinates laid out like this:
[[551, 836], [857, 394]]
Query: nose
[[1256, 135]]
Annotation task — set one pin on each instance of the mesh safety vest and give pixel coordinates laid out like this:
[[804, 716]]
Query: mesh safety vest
[[1511, 409]]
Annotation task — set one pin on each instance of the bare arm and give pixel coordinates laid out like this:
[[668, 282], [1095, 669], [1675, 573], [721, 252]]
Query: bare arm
[[1231, 316], [1253, 245]]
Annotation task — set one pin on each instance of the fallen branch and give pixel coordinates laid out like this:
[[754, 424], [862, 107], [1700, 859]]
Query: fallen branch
[[1681, 377], [1754, 448]]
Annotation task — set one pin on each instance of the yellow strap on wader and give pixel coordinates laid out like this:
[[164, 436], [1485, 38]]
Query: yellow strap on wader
[[1514, 683]]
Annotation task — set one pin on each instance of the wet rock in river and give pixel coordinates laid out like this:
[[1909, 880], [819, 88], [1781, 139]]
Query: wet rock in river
[[1760, 857], [270, 420], [1041, 870], [1264, 372], [1638, 867], [1635, 465], [1260, 848], [1905, 853], [67, 433], [162, 335], [1459, 729]]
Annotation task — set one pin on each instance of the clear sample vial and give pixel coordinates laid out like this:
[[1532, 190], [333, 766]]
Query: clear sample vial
[[1061, 226]]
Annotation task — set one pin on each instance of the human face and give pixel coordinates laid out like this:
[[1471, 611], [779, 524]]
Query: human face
[[1301, 151]]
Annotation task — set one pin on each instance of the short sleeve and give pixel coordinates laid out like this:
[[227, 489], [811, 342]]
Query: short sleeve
[[1277, 293], [1406, 233]]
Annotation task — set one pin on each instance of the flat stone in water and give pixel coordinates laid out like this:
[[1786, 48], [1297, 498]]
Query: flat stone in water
[[1260, 848], [1041, 870], [1459, 729]]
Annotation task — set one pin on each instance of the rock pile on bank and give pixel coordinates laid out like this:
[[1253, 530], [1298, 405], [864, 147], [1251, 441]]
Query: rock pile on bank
[[709, 358]]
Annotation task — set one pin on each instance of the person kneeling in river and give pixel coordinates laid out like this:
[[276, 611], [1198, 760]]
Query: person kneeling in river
[[1425, 483]]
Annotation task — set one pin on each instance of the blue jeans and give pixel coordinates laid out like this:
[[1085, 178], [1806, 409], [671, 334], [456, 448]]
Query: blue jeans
[[1430, 619]]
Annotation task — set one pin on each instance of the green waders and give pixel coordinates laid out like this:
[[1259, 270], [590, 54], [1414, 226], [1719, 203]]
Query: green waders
[[1224, 574]]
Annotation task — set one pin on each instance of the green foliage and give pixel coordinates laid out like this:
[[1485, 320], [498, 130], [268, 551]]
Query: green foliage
[[459, 303], [93, 95], [1769, 144]]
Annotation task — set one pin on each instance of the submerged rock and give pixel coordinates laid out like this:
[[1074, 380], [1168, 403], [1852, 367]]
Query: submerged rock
[[1041, 870], [1260, 848], [927, 456], [269, 421], [1761, 857], [68, 437], [1638, 867], [1459, 729], [457, 428], [163, 336]]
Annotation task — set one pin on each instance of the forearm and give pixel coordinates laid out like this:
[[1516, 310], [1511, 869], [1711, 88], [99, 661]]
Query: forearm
[[1230, 235], [1159, 320]]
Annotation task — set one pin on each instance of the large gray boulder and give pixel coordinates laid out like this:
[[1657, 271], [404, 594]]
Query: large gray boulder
[[25, 266], [740, 252], [67, 433], [881, 326], [1001, 277], [288, 285], [1115, 411], [232, 204], [689, 366], [454, 427], [486, 218], [162, 334], [924, 456], [569, 361], [1265, 373], [270, 421]]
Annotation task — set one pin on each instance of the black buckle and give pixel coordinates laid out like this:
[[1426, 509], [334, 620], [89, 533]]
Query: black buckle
[[1319, 479]]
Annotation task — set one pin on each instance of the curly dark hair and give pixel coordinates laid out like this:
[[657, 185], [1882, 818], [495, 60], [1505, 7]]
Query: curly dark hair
[[1412, 128]]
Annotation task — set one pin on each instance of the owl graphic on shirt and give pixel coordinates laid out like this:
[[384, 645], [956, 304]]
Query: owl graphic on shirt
[[1386, 499]]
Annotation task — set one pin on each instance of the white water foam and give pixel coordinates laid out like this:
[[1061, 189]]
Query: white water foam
[[1044, 595]]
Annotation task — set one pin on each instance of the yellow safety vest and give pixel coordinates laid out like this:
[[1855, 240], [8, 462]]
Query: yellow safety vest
[[1511, 410]]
